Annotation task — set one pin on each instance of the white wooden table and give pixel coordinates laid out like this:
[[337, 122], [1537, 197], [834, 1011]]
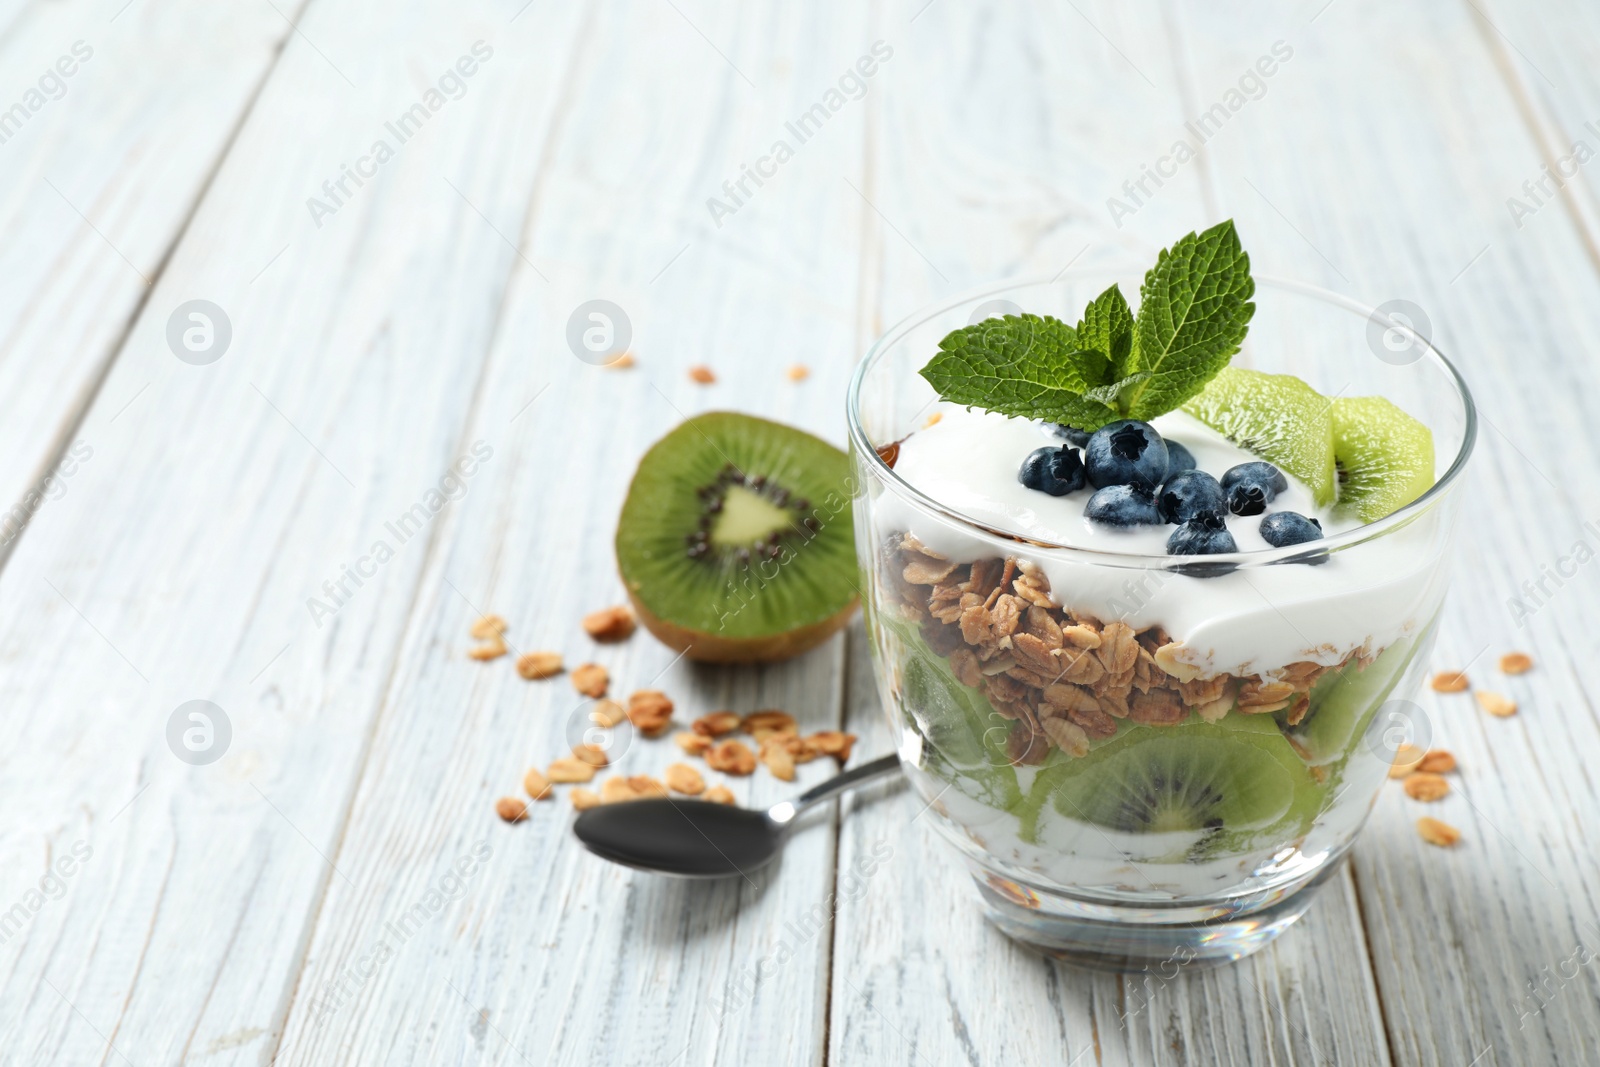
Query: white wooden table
[[253, 910]]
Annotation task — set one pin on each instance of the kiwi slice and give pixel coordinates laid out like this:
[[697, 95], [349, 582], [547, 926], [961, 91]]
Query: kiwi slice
[[1205, 785], [735, 541], [963, 736], [1343, 701], [1384, 456], [1278, 417]]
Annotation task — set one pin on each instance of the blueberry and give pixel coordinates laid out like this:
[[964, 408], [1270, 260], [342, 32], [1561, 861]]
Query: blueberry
[[1070, 434], [1188, 495], [1179, 458], [1201, 536], [1126, 452], [1284, 528], [1252, 486], [1057, 471], [1123, 505]]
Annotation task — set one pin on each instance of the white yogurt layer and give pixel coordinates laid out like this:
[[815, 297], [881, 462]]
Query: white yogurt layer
[[1251, 621]]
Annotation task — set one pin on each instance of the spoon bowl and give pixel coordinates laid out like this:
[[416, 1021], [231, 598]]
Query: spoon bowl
[[687, 838], [700, 839]]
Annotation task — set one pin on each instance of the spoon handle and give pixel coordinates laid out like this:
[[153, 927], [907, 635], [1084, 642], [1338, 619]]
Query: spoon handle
[[849, 779]]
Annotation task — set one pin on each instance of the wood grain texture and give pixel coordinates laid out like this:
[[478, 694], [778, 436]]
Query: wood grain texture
[[233, 492], [1547, 57], [551, 955], [102, 168]]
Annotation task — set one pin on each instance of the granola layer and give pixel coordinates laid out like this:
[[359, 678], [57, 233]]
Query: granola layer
[[1064, 678]]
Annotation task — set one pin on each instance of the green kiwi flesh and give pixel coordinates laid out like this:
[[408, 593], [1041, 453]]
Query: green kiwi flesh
[[1384, 456], [1236, 778], [1343, 701], [1278, 417], [735, 542], [963, 737]]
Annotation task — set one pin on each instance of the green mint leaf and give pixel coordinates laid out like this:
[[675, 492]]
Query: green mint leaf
[[1194, 311], [1107, 328], [1028, 366]]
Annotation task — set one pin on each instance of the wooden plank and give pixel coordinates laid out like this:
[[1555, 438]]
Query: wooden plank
[[119, 124], [551, 955], [181, 564], [1547, 56], [989, 147], [1473, 946]]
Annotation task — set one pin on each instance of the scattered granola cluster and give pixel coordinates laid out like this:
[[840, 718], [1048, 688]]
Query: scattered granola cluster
[[1409, 760], [592, 680], [585, 762], [606, 626], [1062, 678], [777, 739], [609, 625], [701, 374], [1438, 833], [775, 733], [1422, 773], [536, 665], [491, 631], [1496, 704], [1516, 663], [650, 711]]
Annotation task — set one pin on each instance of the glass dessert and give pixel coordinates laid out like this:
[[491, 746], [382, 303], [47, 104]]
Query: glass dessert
[[1149, 679]]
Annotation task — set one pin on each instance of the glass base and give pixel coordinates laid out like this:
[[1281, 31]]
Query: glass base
[[1130, 938]]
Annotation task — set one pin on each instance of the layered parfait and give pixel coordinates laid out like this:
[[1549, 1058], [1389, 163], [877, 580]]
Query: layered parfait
[[1128, 648]]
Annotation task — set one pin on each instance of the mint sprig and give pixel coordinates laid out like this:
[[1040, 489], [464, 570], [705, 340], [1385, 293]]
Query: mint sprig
[[1194, 311]]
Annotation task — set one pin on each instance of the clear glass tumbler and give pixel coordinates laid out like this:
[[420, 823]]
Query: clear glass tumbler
[[1043, 780]]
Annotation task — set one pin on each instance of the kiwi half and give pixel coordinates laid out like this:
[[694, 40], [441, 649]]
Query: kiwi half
[[735, 542]]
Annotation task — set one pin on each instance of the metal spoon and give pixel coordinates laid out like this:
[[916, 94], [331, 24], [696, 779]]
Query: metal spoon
[[702, 839]]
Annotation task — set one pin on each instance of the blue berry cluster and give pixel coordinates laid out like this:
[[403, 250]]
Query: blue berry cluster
[[1140, 479]]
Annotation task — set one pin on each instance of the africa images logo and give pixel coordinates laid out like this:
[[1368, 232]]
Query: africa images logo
[[451, 85], [398, 531], [810, 122]]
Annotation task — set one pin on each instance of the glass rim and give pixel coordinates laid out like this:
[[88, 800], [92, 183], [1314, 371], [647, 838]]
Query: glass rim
[[1333, 543]]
